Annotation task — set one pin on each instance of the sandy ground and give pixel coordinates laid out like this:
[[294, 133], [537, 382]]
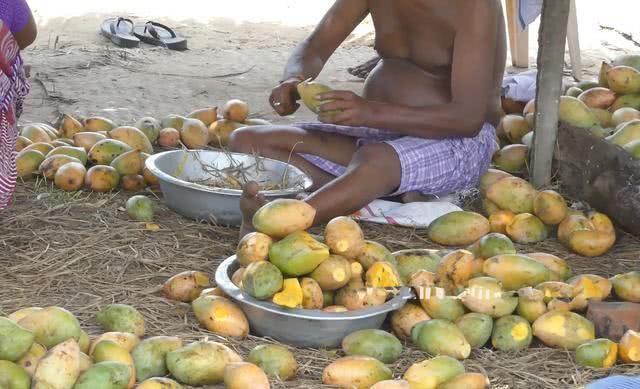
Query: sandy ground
[[81, 251]]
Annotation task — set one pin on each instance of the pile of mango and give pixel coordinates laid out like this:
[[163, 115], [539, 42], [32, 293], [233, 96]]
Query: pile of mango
[[96, 154], [515, 208], [608, 107]]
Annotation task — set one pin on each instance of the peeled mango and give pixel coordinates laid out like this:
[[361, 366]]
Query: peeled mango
[[298, 254], [262, 280], [597, 354], [454, 271], [281, 217], [308, 91], [403, 320], [13, 376], [200, 363], [105, 375], [431, 373], [121, 318], [312, 295], [513, 194], [15, 341], [149, 356], [442, 337], [186, 286], [344, 237], [333, 273], [291, 295], [357, 372], [563, 329], [383, 275], [59, 368], [516, 271], [458, 228], [253, 247], [276, 361], [374, 343], [511, 333], [627, 286], [51, 326], [629, 347]]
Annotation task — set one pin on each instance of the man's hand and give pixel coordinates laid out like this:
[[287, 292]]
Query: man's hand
[[345, 108], [283, 97]]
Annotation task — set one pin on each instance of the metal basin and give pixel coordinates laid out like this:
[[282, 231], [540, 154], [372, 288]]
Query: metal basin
[[182, 172], [303, 327]]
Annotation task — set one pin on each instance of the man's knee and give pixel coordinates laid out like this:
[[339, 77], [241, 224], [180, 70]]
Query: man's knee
[[245, 140], [379, 160]]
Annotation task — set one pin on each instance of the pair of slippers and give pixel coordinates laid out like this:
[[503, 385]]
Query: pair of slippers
[[125, 33]]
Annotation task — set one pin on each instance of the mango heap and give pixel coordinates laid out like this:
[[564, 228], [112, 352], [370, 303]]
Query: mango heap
[[96, 154]]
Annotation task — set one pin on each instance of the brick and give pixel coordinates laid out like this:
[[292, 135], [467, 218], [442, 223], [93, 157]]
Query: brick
[[613, 319]]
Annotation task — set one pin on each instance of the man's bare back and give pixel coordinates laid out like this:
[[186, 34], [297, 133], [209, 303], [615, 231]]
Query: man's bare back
[[436, 91]]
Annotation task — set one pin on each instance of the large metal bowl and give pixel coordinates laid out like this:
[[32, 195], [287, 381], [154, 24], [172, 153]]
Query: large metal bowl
[[180, 171], [303, 327]]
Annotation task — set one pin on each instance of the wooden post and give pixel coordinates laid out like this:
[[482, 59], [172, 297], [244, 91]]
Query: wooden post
[[518, 40], [551, 44]]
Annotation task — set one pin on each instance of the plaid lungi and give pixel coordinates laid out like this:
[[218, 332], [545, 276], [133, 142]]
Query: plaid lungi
[[429, 166]]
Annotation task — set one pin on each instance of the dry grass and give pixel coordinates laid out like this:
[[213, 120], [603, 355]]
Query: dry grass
[[80, 251]]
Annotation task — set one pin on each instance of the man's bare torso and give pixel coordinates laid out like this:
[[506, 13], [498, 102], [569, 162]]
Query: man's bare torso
[[415, 39]]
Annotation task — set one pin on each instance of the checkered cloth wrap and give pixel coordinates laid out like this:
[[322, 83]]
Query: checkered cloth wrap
[[429, 166], [13, 88]]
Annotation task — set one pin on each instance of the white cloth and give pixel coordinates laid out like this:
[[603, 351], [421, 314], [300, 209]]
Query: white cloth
[[417, 215], [520, 86], [528, 12]]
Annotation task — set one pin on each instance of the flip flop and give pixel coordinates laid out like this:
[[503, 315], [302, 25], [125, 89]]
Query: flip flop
[[158, 34], [120, 31]]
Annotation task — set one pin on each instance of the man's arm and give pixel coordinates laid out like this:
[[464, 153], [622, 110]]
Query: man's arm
[[27, 34], [309, 57], [472, 81]]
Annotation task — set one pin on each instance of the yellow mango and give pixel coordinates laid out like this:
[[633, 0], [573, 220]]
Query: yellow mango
[[516, 271], [282, 217], [550, 207], [344, 237], [513, 194], [458, 228], [512, 158], [133, 137], [221, 316], [623, 80], [629, 347], [291, 295], [357, 372], [562, 329]]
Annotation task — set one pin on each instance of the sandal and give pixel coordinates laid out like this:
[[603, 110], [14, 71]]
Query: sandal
[[158, 34], [120, 31]]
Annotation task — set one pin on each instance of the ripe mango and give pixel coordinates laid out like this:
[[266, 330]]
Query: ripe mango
[[494, 244], [563, 329], [411, 261], [312, 297], [513, 194], [29, 361], [200, 363], [126, 340], [626, 101], [512, 158], [206, 115], [558, 266], [626, 133], [591, 243], [629, 347], [253, 247], [52, 326], [516, 271], [454, 271], [219, 132], [598, 97], [356, 296], [604, 116], [35, 134], [623, 80], [69, 126], [22, 313], [133, 137], [438, 305], [308, 90], [121, 318], [59, 368], [589, 287], [236, 110], [511, 333], [467, 381], [129, 162], [149, 356], [262, 280], [28, 162], [70, 177], [275, 360], [186, 286], [458, 228], [159, 383], [298, 254], [374, 252], [105, 151], [76, 152], [403, 320], [282, 217], [87, 140], [97, 123], [441, 337], [571, 223], [491, 177], [575, 113], [15, 341], [514, 127], [550, 207], [373, 343], [220, 316], [101, 178], [392, 384], [499, 220], [109, 351], [624, 115], [22, 143], [133, 183], [344, 237], [597, 354], [485, 295], [12, 376], [333, 273], [241, 375], [150, 127], [290, 296], [50, 166], [382, 275], [358, 372], [627, 286], [431, 373], [194, 134], [476, 328], [42, 147], [172, 121], [105, 375], [531, 303], [527, 229]]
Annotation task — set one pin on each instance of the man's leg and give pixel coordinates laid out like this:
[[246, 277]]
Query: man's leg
[[374, 171]]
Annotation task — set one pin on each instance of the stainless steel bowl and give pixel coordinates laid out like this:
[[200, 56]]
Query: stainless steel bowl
[[303, 327], [180, 171]]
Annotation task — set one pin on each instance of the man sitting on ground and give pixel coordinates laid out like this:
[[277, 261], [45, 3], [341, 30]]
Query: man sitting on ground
[[425, 123]]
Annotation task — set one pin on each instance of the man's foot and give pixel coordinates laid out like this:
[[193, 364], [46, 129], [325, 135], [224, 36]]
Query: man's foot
[[250, 202]]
